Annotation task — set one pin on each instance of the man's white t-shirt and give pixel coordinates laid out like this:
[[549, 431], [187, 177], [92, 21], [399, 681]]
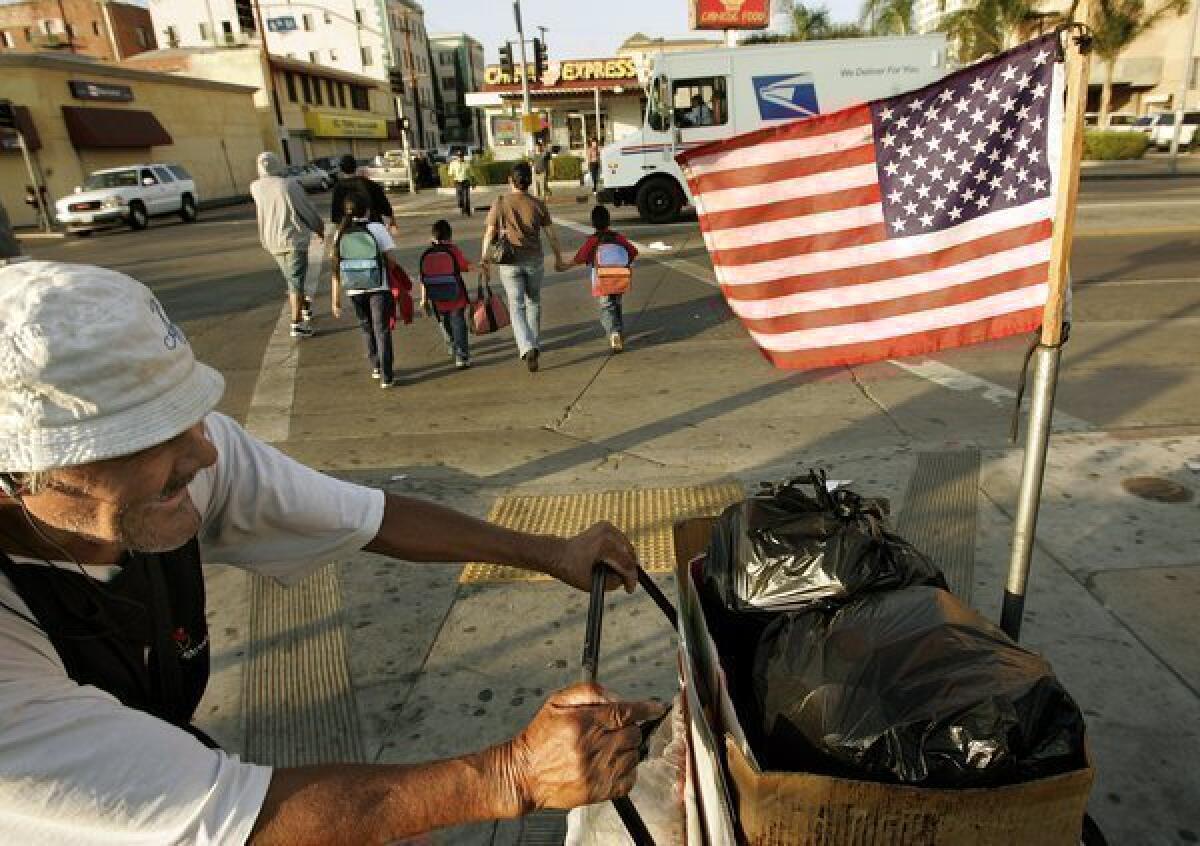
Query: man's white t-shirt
[[78, 767]]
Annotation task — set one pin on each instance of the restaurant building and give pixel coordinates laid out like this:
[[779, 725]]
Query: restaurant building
[[79, 115], [566, 103]]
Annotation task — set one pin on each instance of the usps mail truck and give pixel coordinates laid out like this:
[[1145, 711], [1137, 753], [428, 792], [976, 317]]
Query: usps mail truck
[[697, 97]]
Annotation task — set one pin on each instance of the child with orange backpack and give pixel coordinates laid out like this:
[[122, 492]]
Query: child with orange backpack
[[610, 255], [442, 266]]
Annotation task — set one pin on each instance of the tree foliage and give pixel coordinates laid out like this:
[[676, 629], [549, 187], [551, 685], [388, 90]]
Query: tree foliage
[[810, 23], [888, 17], [1116, 24]]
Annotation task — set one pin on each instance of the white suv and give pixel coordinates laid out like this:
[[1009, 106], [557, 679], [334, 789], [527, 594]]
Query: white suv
[[129, 195], [1164, 130]]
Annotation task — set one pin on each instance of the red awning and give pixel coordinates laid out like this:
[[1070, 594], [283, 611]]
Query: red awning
[[8, 138], [92, 127]]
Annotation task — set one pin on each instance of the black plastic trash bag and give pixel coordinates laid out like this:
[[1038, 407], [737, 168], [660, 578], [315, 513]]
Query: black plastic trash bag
[[788, 548], [911, 686]]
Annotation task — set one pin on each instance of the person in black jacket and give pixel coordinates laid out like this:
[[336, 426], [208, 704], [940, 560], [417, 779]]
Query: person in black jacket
[[350, 181]]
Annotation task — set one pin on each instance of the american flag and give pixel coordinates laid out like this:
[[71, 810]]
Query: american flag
[[898, 227]]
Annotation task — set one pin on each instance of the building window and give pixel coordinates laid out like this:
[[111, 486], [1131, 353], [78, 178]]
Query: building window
[[142, 40], [341, 89], [304, 84], [358, 98], [317, 91], [227, 30], [333, 56], [95, 28], [290, 79], [204, 36], [28, 35], [1195, 74], [449, 83], [70, 31], [313, 56], [172, 37], [329, 91], [358, 19], [328, 17], [308, 24], [7, 39], [366, 56]]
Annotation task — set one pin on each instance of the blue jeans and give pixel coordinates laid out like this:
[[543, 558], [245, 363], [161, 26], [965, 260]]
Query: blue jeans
[[372, 312], [454, 332], [294, 264], [523, 286], [611, 315]]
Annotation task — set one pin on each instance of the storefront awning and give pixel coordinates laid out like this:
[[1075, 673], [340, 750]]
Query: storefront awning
[[8, 138], [108, 128]]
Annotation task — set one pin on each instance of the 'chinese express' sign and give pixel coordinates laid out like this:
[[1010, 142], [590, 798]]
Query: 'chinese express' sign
[[576, 70], [329, 125], [729, 14]]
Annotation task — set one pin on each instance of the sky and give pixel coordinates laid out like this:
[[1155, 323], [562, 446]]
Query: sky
[[575, 28]]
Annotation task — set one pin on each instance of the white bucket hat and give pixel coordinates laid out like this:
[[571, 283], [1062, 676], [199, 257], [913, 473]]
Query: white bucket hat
[[91, 368]]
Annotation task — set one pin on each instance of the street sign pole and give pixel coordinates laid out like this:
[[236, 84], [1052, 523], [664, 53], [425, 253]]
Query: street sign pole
[[1184, 84], [269, 70], [527, 110], [37, 189], [1049, 350]]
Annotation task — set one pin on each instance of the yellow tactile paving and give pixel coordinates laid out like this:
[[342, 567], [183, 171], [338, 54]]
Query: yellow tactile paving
[[646, 515]]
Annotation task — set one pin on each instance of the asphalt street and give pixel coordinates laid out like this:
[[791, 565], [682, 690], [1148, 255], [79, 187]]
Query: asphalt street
[[1113, 599]]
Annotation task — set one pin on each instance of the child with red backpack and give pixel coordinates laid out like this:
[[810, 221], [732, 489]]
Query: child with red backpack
[[442, 267], [610, 255]]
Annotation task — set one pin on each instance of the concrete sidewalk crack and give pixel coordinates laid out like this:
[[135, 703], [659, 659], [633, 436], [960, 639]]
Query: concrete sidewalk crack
[[608, 453], [871, 398]]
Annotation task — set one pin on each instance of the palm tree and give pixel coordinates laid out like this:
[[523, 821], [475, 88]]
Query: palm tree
[[888, 17], [990, 26], [1115, 25]]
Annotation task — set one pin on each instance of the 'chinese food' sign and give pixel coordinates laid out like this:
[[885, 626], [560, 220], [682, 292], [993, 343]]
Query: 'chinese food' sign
[[730, 14]]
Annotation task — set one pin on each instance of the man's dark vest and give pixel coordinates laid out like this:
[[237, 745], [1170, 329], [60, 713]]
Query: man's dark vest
[[141, 637]]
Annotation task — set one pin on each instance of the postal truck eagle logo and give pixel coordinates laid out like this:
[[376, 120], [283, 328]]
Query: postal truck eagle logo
[[785, 96]]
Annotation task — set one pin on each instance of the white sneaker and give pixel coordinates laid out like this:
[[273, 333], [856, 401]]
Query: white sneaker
[[616, 342], [301, 330], [306, 315], [375, 374], [387, 383]]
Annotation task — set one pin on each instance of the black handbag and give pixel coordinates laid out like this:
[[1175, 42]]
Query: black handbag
[[501, 250]]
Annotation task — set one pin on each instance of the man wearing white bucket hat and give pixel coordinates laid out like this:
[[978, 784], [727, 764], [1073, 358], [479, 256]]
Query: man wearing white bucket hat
[[116, 479]]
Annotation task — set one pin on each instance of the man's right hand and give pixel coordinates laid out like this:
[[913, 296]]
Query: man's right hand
[[581, 748]]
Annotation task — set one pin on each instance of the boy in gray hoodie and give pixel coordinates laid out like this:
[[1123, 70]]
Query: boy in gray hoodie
[[286, 221]]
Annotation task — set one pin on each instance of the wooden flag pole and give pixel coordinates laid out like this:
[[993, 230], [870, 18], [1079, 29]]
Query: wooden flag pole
[[1048, 352]]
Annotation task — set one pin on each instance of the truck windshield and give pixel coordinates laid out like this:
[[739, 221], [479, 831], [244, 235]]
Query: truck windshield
[[113, 179], [658, 106]]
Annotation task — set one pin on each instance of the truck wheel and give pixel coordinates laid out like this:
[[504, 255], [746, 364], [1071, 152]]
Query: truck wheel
[[659, 200], [138, 219], [188, 210]]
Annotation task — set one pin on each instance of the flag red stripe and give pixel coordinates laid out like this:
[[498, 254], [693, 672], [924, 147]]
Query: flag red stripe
[[861, 274], [840, 240], [808, 127], [865, 312], [785, 209], [921, 343], [789, 169]]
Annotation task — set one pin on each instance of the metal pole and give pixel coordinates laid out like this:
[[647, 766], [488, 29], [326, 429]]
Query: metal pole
[[1184, 84], [599, 137], [1048, 352], [526, 108], [1033, 471], [37, 189], [269, 70]]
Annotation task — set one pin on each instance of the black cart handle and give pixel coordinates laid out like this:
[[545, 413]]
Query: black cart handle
[[591, 666]]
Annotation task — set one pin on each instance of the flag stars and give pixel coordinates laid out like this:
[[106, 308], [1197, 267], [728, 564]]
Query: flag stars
[[896, 197], [1041, 57], [939, 202], [978, 115], [888, 139], [1022, 175], [983, 200], [920, 161], [994, 126], [916, 105], [1008, 134], [1009, 162], [1039, 185], [891, 168], [886, 113], [955, 213], [1023, 143], [977, 85], [1009, 73], [910, 207], [926, 220], [1009, 104], [904, 151], [923, 191], [902, 122], [1039, 90], [948, 125], [992, 95], [908, 179], [1010, 193], [935, 173], [899, 224], [961, 105], [946, 96], [964, 137]]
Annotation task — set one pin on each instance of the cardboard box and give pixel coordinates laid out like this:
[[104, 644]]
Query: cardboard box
[[742, 803]]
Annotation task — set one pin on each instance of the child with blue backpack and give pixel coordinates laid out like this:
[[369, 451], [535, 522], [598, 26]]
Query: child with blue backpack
[[442, 267], [362, 253], [610, 256]]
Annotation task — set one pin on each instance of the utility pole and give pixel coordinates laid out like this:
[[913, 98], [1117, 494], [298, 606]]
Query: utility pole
[[269, 70], [1184, 84], [527, 111]]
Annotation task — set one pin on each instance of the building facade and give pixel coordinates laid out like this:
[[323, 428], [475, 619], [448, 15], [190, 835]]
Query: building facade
[[458, 70], [322, 111], [381, 39], [105, 30], [79, 115]]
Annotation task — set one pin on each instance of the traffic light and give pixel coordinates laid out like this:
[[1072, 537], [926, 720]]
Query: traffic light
[[245, 16], [8, 115], [506, 60], [541, 62]]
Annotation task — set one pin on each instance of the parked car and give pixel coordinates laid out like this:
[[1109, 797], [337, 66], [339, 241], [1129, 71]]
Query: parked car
[[129, 195], [329, 164], [1164, 129], [1144, 124], [310, 177], [390, 170]]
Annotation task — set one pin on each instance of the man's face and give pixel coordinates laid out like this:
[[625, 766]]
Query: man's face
[[138, 501]]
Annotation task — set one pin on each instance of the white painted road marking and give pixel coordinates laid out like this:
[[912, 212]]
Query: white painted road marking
[[270, 416]]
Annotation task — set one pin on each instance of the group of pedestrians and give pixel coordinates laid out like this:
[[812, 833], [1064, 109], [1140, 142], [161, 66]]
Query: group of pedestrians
[[366, 263]]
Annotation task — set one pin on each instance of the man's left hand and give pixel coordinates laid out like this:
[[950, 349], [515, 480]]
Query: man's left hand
[[602, 542]]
